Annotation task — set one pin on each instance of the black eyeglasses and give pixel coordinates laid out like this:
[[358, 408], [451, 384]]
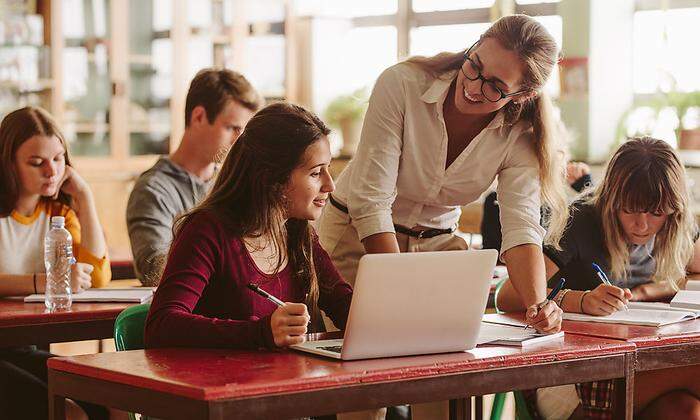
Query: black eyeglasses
[[489, 90]]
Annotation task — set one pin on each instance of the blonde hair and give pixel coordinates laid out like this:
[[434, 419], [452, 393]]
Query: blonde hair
[[646, 175], [539, 54]]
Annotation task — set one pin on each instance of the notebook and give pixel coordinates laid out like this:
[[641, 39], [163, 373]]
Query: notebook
[[510, 335], [636, 316], [693, 285], [134, 294], [661, 306], [686, 299]]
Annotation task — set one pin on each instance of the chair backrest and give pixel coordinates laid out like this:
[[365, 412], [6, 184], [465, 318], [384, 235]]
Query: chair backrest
[[128, 327]]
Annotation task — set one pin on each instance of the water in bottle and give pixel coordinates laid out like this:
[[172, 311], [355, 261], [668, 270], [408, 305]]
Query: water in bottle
[[58, 259]]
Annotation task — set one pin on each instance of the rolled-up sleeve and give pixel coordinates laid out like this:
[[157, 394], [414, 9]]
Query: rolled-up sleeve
[[378, 156], [519, 195]]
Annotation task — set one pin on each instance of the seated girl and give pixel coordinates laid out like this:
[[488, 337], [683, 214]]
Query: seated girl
[[253, 227], [637, 225], [36, 183]]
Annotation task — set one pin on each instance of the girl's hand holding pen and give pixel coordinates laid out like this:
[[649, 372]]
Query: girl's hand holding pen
[[289, 324], [544, 317], [605, 300]]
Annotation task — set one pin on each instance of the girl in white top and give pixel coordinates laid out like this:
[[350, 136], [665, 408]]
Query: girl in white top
[[37, 182], [438, 131]]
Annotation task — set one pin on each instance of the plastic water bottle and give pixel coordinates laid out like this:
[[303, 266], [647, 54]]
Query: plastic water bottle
[[58, 259]]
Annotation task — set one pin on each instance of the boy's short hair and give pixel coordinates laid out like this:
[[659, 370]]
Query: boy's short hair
[[213, 88]]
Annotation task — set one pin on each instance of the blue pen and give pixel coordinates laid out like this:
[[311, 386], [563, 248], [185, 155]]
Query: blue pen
[[603, 277], [601, 274], [552, 294]]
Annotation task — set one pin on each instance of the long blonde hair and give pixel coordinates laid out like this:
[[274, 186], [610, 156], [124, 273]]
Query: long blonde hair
[[539, 54], [646, 175]]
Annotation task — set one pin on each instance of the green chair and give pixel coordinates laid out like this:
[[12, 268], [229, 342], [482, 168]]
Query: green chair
[[128, 332], [128, 327]]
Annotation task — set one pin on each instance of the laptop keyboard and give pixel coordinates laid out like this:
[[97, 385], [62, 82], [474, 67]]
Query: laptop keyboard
[[334, 349]]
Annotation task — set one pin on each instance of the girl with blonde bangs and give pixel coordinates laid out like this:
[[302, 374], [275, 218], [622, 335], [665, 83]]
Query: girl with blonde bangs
[[637, 226], [657, 187]]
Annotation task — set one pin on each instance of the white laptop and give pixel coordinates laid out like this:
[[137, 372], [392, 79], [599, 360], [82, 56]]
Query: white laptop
[[413, 303]]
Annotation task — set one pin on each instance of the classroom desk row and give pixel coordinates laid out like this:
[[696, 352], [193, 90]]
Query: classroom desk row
[[212, 384]]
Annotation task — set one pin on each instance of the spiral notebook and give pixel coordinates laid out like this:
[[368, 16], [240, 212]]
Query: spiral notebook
[[133, 294]]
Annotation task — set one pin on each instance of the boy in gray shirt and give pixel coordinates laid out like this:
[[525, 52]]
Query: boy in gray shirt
[[219, 104]]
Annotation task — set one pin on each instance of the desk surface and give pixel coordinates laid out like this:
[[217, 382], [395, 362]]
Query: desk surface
[[207, 374], [31, 323]]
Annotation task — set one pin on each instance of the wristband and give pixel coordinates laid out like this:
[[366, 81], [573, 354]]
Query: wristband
[[580, 302], [559, 298]]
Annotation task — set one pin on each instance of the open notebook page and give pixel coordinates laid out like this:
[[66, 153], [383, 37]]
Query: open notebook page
[[650, 317], [686, 299], [507, 335], [136, 295]]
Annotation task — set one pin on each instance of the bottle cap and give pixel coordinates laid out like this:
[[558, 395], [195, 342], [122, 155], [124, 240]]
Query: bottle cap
[[58, 221]]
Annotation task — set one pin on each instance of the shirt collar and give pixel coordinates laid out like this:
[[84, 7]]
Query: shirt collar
[[437, 92]]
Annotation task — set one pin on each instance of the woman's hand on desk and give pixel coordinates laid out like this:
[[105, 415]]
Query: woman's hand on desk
[[545, 320], [80, 277], [289, 324]]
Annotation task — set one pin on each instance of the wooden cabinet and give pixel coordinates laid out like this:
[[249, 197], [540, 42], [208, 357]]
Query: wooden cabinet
[[119, 74]]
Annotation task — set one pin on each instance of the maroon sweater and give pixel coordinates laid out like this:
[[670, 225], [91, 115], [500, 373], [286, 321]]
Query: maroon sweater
[[203, 301]]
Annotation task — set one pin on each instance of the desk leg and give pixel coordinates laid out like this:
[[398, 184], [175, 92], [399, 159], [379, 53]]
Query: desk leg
[[624, 391], [478, 407], [57, 407], [461, 409]]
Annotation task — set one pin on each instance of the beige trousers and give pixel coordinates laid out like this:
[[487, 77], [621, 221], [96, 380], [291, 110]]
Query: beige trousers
[[339, 238]]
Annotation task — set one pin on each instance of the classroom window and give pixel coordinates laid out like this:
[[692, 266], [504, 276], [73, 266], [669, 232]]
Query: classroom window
[[353, 8], [431, 40], [554, 26], [440, 5], [536, 1], [664, 41]]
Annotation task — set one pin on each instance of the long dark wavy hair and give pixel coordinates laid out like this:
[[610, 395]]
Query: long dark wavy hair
[[248, 194], [17, 127]]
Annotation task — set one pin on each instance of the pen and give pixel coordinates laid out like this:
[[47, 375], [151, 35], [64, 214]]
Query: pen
[[261, 292], [551, 294], [276, 301], [601, 274], [603, 277]]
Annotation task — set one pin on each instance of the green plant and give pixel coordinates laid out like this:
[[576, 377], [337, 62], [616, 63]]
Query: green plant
[[680, 102], [346, 107]]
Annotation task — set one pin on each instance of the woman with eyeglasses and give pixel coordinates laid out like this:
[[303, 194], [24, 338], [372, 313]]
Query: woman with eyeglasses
[[438, 131]]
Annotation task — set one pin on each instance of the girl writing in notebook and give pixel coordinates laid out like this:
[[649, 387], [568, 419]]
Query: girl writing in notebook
[[253, 227], [36, 183], [637, 225]]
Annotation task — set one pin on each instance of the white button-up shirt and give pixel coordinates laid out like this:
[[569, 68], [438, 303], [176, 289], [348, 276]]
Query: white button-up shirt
[[398, 174]]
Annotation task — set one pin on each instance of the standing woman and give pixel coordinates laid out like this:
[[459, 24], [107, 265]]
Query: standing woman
[[437, 133]]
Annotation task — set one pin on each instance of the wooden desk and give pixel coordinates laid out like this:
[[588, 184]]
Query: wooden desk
[[675, 345], [217, 384], [31, 323]]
